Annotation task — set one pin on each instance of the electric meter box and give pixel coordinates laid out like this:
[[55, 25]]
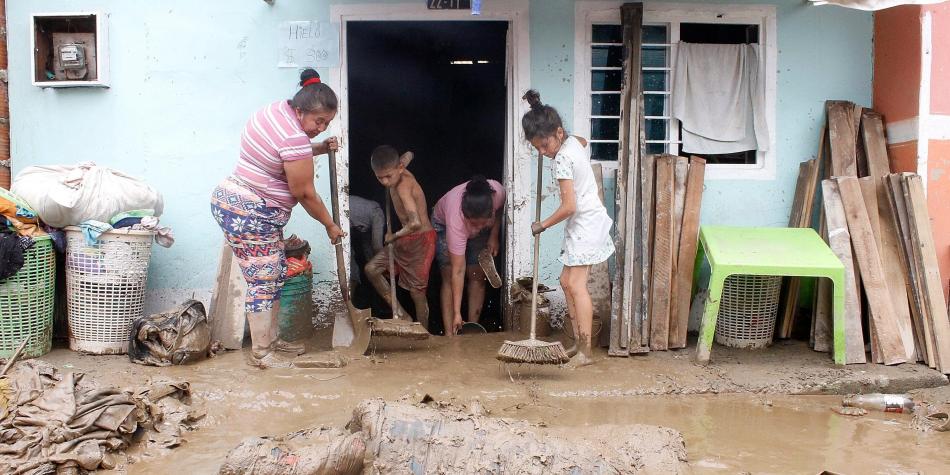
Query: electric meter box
[[70, 50]]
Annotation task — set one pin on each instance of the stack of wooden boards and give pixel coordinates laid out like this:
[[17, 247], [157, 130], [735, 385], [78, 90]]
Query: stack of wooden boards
[[664, 237], [877, 223]]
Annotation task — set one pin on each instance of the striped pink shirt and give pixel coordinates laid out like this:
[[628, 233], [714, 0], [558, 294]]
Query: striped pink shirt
[[272, 136]]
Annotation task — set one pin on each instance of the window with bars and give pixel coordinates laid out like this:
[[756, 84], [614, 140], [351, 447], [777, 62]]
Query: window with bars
[[661, 132], [606, 69]]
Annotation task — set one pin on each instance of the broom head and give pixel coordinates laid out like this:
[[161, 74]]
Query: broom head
[[399, 329], [533, 352]]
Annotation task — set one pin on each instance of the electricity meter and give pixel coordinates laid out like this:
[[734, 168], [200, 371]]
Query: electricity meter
[[72, 56]]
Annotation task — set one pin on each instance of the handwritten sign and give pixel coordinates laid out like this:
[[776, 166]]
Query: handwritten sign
[[308, 44], [449, 4]]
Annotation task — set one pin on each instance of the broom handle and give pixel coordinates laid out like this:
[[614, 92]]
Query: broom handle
[[392, 265], [537, 249]]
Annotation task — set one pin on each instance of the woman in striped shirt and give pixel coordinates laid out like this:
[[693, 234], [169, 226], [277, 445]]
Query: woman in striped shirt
[[274, 172]]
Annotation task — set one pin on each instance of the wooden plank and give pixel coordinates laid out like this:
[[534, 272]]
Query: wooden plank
[[860, 157], [800, 217], [226, 311], [901, 223], [893, 277], [841, 138], [839, 239], [875, 144], [932, 287], [662, 255], [685, 260], [599, 279], [680, 169], [872, 275], [647, 179], [631, 18]]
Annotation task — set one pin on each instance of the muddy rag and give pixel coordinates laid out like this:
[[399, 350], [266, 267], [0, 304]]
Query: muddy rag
[[53, 423], [719, 97]]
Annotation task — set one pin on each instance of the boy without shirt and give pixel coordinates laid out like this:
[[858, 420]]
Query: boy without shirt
[[414, 244]]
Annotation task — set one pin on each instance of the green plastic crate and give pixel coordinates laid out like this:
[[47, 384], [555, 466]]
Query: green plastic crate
[[26, 302]]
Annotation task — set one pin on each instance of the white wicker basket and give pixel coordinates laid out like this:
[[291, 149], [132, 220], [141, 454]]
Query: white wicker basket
[[747, 311], [105, 288]]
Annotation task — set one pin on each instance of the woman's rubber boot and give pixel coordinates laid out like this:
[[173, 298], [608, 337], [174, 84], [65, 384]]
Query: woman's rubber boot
[[262, 354], [278, 343]]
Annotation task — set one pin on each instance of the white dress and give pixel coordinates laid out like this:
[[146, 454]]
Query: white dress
[[587, 238]]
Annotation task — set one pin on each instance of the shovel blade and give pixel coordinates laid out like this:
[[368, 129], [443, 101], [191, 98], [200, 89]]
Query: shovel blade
[[352, 332]]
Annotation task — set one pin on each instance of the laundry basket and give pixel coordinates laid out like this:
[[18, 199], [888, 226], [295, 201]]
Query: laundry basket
[[747, 311], [26, 302], [105, 288]]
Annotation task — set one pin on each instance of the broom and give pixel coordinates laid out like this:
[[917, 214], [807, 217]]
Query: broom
[[394, 327], [532, 350]]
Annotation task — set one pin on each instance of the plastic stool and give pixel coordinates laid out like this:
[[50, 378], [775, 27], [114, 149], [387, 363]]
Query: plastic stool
[[792, 252]]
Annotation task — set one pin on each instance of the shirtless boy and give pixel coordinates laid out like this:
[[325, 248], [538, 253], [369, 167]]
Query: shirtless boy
[[413, 246]]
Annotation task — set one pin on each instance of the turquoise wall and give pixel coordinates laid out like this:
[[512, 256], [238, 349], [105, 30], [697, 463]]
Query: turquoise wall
[[186, 75]]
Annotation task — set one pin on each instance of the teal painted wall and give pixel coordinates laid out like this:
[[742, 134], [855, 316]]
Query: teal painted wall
[[186, 75]]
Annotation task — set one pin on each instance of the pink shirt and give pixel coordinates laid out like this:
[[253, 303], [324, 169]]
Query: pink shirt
[[271, 137], [448, 213]]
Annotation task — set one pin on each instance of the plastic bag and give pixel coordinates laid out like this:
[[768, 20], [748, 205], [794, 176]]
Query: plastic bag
[[68, 195]]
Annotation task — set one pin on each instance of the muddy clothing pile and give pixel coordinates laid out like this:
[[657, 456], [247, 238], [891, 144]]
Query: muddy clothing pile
[[66, 423], [176, 337], [385, 437]]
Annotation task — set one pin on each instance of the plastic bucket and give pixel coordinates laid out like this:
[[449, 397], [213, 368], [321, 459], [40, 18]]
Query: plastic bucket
[[295, 318]]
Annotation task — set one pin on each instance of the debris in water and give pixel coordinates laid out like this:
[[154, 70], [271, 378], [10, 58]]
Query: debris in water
[[67, 423], [850, 411], [405, 438]]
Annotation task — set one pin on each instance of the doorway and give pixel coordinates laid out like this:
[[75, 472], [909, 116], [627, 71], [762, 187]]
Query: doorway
[[436, 88]]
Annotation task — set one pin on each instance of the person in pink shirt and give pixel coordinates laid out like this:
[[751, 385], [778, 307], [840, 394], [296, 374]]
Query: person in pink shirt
[[467, 219], [273, 174]]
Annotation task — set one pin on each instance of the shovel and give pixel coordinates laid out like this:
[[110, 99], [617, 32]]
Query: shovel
[[350, 330]]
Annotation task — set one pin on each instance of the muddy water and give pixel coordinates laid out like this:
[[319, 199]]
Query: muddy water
[[724, 433]]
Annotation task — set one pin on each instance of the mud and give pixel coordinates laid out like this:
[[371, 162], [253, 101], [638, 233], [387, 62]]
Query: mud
[[739, 413]]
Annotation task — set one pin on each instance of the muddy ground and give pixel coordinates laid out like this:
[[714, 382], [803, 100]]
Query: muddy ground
[[754, 411]]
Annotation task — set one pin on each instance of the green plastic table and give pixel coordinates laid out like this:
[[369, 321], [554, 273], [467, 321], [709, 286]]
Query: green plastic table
[[793, 252]]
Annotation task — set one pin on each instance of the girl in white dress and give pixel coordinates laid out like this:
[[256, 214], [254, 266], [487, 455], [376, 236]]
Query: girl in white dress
[[587, 238]]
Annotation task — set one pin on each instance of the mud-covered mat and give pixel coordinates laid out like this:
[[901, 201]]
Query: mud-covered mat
[[399, 437]]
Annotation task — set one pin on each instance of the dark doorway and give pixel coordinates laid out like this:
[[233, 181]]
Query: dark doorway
[[437, 89]]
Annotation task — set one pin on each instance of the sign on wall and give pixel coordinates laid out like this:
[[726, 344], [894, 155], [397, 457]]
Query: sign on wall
[[449, 4], [308, 44]]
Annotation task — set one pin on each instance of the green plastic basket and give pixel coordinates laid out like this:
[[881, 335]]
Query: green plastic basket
[[26, 302]]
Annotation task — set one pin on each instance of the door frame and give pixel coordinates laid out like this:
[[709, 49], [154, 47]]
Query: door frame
[[517, 150]]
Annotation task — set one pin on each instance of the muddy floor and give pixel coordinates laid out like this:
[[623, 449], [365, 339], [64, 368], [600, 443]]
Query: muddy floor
[[758, 412]]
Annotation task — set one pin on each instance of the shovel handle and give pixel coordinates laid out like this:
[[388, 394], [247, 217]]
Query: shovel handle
[[335, 211], [392, 258]]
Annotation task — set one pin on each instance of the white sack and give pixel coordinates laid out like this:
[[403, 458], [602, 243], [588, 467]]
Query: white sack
[[68, 195]]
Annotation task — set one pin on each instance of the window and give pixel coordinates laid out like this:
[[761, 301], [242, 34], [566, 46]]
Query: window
[[599, 53]]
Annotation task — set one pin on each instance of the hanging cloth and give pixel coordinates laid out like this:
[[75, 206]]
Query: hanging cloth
[[719, 98]]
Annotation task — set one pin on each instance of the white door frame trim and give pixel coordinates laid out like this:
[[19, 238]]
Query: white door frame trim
[[518, 158]]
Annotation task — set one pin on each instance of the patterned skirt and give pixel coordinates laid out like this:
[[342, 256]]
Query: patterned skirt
[[255, 233]]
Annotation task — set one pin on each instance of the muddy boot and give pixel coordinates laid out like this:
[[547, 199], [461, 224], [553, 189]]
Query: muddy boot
[[296, 349], [278, 343], [262, 355]]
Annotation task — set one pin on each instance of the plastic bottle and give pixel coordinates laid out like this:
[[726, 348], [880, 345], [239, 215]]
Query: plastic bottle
[[901, 403]]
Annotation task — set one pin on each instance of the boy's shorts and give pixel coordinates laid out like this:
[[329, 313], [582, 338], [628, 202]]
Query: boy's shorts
[[413, 256], [474, 245]]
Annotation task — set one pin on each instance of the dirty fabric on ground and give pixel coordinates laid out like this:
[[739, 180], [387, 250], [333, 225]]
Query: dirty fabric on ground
[[405, 438], [51, 421], [180, 336]]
